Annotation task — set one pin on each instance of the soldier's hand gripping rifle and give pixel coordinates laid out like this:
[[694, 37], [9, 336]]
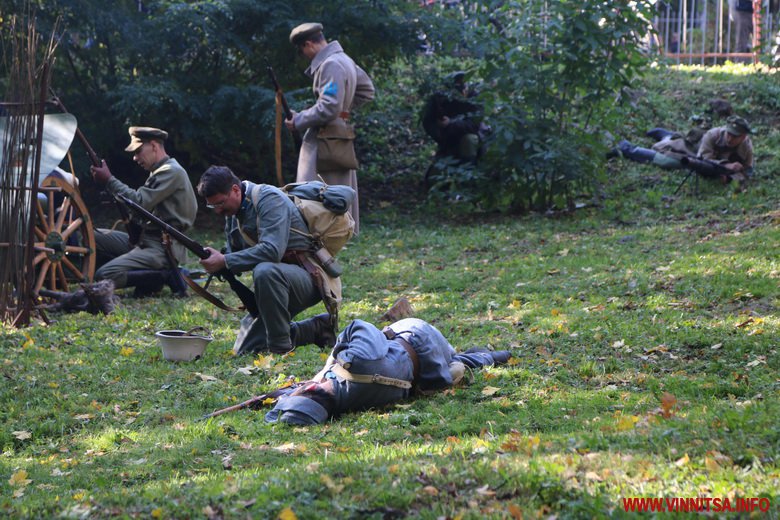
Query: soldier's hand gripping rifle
[[706, 168], [285, 107], [134, 230], [243, 292]]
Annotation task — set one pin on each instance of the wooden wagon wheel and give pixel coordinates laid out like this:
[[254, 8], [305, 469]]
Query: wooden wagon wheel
[[64, 238]]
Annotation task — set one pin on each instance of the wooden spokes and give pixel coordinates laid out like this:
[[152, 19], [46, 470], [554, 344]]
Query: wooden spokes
[[64, 238]]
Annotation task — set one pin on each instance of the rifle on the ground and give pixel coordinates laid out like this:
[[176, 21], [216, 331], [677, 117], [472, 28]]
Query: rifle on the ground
[[243, 292], [285, 107], [706, 167], [134, 230], [253, 403]]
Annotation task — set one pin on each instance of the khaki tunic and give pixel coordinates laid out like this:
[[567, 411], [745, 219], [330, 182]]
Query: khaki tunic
[[169, 195], [340, 86], [713, 147]]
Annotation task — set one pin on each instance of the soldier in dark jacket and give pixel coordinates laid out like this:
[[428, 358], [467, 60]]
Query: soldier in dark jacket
[[453, 119]]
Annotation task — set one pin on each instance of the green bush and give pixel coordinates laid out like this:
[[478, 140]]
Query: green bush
[[552, 71]]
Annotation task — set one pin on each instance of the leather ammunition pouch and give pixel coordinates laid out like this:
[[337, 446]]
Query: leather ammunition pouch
[[336, 147]]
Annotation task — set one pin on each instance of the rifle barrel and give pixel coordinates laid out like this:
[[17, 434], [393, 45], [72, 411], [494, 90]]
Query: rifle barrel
[[278, 89], [190, 244], [93, 157], [243, 292]]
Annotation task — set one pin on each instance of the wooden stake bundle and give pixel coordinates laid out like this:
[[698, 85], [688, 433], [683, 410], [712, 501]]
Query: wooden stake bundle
[[27, 63]]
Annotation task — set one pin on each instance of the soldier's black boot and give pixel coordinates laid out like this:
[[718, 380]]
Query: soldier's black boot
[[500, 356], [173, 279], [146, 282], [659, 134], [317, 330]]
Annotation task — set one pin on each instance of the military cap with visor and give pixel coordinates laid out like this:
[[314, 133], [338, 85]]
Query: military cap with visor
[[301, 33], [736, 125], [143, 134]]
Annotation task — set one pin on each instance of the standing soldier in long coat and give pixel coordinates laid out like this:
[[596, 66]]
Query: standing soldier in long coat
[[340, 86]]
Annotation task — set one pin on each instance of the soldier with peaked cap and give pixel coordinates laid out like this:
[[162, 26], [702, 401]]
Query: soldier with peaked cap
[[369, 367], [168, 193], [339, 86]]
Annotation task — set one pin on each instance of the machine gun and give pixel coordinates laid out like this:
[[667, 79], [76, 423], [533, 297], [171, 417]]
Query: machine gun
[[706, 168], [134, 230], [243, 292], [285, 107]]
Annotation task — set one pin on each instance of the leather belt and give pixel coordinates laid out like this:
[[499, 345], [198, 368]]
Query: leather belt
[[367, 378], [412, 355]]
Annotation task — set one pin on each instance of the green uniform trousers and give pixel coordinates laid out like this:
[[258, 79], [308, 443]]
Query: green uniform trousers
[[281, 291], [148, 255]]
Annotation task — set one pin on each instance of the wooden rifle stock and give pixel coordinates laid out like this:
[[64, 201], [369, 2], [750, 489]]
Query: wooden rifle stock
[[254, 402], [243, 292], [285, 107]]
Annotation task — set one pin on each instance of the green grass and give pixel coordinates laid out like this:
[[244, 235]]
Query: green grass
[[608, 313]]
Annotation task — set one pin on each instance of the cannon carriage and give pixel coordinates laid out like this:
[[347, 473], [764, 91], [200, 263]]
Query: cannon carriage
[[50, 223]]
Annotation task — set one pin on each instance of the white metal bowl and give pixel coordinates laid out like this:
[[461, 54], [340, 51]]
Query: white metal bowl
[[179, 345]]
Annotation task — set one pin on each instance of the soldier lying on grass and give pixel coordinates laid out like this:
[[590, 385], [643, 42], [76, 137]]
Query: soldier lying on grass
[[369, 368]]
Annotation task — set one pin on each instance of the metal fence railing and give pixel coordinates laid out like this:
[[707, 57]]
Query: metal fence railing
[[712, 31]]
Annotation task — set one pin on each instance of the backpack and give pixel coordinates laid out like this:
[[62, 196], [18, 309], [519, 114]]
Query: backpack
[[325, 210]]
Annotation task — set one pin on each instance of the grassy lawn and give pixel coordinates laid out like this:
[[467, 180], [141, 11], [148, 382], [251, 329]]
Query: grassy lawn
[[644, 335]]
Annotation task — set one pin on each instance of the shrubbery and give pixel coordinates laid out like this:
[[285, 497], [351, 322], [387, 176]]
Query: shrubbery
[[552, 72]]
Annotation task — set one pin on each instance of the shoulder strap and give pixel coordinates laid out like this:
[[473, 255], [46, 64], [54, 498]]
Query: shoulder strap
[[254, 195]]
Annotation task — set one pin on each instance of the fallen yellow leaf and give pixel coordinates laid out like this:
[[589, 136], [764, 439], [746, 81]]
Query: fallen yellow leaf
[[711, 464], [627, 422], [22, 435], [682, 461], [265, 362], [287, 514], [430, 490], [286, 448], [19, 479], [592, 475], [490, 390]]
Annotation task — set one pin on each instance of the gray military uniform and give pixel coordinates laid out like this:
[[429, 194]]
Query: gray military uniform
[[363, 349], [340, 86], [169, 195], [258, 237]]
